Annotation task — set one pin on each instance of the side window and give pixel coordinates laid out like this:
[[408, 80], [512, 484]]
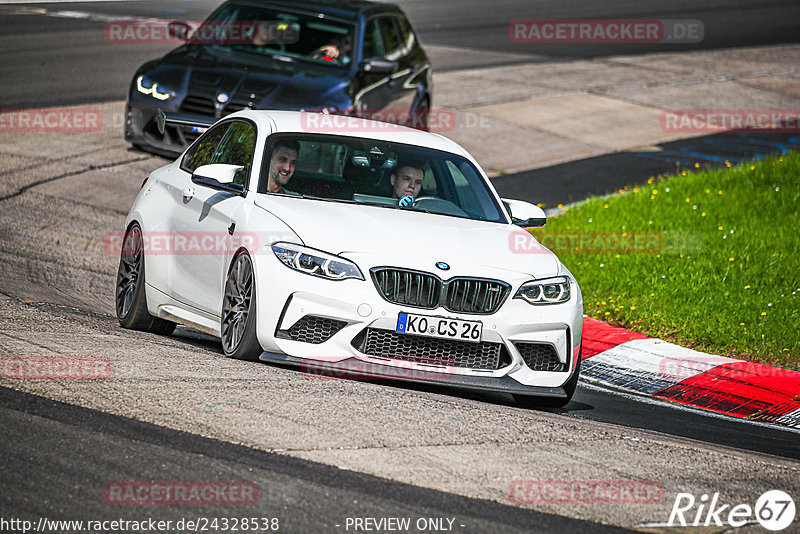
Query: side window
[[391, 41], [373, 43], [202, 151], [237, 148], [407, 36]]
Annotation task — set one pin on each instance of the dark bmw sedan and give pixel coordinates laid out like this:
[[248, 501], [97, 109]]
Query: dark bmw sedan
[[347, 57]]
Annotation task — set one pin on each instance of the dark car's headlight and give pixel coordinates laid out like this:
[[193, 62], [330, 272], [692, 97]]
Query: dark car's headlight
[[146, 86], [547, 291], [315, 262]]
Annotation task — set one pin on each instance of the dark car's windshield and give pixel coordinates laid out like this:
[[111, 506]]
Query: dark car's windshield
[[267, 31], [379, 173]]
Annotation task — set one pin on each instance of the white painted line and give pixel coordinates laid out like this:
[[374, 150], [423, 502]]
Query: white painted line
[[96, 17], [791, 419]]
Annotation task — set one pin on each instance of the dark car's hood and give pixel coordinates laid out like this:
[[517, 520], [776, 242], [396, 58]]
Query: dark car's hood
[[257, 80]]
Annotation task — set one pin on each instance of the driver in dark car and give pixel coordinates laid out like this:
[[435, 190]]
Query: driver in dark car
[[407, 179], [337, 50]]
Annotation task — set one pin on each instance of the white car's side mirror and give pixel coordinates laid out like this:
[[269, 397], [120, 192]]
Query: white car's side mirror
[[525, 214], [219, 176]]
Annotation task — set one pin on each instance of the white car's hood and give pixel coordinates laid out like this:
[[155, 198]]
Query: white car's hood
[[342, 228]]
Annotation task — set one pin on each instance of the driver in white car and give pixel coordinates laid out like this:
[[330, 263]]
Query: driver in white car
[[407, 179]]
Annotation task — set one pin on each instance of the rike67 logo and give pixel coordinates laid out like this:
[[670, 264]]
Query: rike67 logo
[[774, 510]]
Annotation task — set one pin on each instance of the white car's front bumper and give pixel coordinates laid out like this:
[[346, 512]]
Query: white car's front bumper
[[287, 298]]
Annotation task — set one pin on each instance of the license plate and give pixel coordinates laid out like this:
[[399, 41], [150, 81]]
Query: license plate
[[442, 327]]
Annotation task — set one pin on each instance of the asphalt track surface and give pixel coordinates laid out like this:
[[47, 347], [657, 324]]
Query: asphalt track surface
[[66, 63], [50, 439]]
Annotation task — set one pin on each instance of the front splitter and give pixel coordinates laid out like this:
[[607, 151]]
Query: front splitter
[[355, 369]]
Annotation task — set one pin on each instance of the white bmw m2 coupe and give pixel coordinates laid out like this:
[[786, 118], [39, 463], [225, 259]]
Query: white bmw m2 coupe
[[354, 248]]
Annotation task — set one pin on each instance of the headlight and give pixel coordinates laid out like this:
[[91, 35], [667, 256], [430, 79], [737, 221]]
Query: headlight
[[146, 86], [547, 291], [315, 262]]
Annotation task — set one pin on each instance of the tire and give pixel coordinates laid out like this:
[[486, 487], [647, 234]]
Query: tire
[[131, 301], [532, 401], [420, 115], [238, 323]]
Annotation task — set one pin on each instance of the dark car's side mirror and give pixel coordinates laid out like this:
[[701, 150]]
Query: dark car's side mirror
[[376, 65], [179, 30], [525, 214], [219, 176]]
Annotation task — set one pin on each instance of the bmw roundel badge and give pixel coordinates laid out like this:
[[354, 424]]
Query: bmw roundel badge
[[442, 265]]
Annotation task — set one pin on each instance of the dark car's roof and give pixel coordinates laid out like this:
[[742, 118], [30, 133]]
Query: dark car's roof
[[345, 9]]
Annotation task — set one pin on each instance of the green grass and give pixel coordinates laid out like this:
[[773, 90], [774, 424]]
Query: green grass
[[722, 272]]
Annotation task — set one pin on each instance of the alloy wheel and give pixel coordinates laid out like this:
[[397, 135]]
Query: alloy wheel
[[236, 304]]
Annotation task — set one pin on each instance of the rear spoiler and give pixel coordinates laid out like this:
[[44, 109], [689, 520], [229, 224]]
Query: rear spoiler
[[163, 118]]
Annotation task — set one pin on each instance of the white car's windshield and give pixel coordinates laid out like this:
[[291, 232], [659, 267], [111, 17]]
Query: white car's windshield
[[379, 173]]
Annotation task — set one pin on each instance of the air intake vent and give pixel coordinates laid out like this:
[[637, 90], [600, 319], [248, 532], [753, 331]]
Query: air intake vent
[[198, 105], [312, 329], [540, 357], [433, 351]]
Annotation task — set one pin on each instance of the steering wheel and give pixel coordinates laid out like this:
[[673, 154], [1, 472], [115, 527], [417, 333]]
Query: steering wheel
[[439, 205]]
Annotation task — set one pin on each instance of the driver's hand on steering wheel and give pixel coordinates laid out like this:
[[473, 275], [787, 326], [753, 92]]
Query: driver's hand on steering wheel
[[331, 51]]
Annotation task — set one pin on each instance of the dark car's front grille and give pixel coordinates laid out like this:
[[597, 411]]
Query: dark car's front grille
[[425, 290], [430, 350], [312, 329], [198, 105], [540, 357]]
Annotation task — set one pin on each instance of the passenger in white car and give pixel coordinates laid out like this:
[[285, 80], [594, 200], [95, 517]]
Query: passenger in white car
[[281, 166]]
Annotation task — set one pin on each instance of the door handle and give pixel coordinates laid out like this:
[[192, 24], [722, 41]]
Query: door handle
[[188, 193]]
